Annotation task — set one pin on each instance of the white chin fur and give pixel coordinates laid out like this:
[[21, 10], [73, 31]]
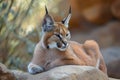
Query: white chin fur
[[61, 49], [54, 45]]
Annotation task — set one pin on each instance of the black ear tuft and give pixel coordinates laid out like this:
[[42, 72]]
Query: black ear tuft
[[66, 20], [47, 24], [46, 10], [70, 10]]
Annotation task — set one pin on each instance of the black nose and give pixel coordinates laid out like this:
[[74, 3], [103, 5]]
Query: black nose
[[65, 43], [58, 45]]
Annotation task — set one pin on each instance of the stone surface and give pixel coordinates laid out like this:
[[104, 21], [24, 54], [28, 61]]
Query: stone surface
[[94, 10], [113, 79], [115, 8], [5, 73], [83, 11], [70, 72], [112, 60], [106, 36]]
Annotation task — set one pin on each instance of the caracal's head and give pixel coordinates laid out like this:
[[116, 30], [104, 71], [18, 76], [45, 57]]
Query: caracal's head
[[55, 34]]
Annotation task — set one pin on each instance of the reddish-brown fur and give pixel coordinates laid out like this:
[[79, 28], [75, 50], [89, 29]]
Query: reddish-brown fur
[[55, 48], [76, 54]]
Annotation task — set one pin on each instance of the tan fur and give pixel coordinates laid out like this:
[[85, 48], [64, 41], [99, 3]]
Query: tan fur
[[76, 54]]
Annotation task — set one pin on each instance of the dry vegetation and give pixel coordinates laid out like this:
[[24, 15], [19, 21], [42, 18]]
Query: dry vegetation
[[19, 30]]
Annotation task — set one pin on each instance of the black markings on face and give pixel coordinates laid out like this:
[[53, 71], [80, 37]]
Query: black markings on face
[[59, 36]]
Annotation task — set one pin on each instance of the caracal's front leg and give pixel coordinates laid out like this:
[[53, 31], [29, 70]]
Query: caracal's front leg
[[33, 68]]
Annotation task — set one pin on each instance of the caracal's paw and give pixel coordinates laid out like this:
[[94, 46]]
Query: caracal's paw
[[33, 68]]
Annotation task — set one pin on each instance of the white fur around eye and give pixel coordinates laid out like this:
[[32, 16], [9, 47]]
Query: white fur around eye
[[68, 35]]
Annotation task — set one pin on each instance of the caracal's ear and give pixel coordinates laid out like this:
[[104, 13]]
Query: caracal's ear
[[47, 24], [66, 20]]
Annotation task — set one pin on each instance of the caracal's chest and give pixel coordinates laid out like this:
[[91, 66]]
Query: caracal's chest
[[54, 54]]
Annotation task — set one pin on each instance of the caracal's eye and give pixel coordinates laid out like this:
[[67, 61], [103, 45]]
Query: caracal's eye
[[67, 35]]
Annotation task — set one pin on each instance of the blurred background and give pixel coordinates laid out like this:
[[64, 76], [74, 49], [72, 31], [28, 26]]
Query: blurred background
[[20, 27]]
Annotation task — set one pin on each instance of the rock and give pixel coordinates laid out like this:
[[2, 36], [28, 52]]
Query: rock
[[70, 72], [94, 10], [115, 8], [20, 75], [112, 59], [5, 73], [83, 11], [113, 79], [106, 35]]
